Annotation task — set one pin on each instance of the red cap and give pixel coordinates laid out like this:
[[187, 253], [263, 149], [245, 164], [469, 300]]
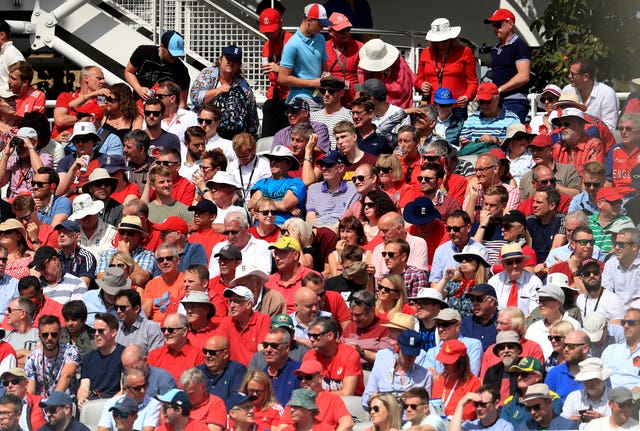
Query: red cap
[[609, 194], [339, 21], [487, 90], [541, 141], [501, 15], [269, 20], [501, 155], [174, 223], [309, 367], [451, 351]]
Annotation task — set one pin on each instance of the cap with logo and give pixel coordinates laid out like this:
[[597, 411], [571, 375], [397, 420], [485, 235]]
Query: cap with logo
[[176, 397], [125, 405], [410, 342], [286, 243], [339, 21], [241, 291], [229, 252], [282, 321], [451, 351], [174, 42], [173, 224], [501, 15], [527, 364], [232, 52], [486, 91], [443, 96], [269, 20], [420, 211]]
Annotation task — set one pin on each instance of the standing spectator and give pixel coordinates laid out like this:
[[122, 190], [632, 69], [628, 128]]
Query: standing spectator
[[19, 82], [510, 63], [150, 64], [447, 63], [9, 54], [176, 119], [343, 55]]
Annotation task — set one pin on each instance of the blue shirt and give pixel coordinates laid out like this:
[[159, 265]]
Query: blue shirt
[[557, 423], [619, 358], [58, 205], [561, 381], [95, 305], [478, 125], [474, 351], [486, 334], [443, 258], [276, 189], [305, 57], [562, 254], [330, 206], [582, 202], [499, 425], [159, 381], [284, 382], [503, 63], [227, 382], [8, 291], [104, 371]]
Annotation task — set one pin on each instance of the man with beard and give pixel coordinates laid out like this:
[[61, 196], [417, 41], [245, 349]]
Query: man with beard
[[486, 401], [590, 402], [621, 405], [193, 148], [59, 409], [576, 147], [100, 185], [597, 298], [481, 325], [52, 209], [508, 349], [431, 179], [561, 377]]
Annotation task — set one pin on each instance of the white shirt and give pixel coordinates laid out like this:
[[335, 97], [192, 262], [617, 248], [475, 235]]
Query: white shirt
[[9, 54], [225, 145], [248, 175], [101, 239], [417, 255], [180, 123], [528, 285], [539, 332], [186, 170], [330, 120], [602, 424], [256, 252], [608, 304], [624, 282], [602, 103], [579, 400], [221, 214]]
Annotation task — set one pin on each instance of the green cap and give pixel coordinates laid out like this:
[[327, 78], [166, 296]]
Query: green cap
[[280, 320], [305, 398], [527, 365]]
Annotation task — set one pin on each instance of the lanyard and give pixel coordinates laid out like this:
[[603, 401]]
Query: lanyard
[[343, 66], [446, 402], [587, 298], [245, 191], [440, 71]]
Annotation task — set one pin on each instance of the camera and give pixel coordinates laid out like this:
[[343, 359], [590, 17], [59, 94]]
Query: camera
[[16, 142]]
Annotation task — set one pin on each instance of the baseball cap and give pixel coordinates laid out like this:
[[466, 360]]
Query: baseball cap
[[237, 399], [620, 394], [174, 42], [205, 205], [339, 21], [309, 367], [125, 404], [609, 194], [57, 398], [68, 225], [451, 351], [410, 341], [619, 224], [269, 20], [298, 103], [317, 11], [333, 157], [443, 96], [501, 15], [5, 93], [242, 291], [43, 254], [173, 223], [527, 365], [373, 87], [448, 315], [541, 141], [590, 264], [176, 397], [482, 289], [539, 390], [282, 320], [593, 324], [286, 243], [232, 52], [486, 91], [551, 291], [230, 252], [27, 132], [514, 216]]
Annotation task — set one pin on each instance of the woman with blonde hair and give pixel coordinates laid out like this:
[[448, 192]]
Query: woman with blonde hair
[[301, 231], [13, 237], [264, 213], [557, 332], [392, 297], [124, 261], [393, 181], [457, 281], [385, 413], [267, 410]]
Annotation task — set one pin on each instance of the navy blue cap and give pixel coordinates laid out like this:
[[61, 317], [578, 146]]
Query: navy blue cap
[[57, 398], [68, 225], [331, 158], [410, 342], [482, 289], [204, 205], [420, 211], [232, 52], [298, 103], [125, 404], [443, 96], [114, 163], [237, 399]]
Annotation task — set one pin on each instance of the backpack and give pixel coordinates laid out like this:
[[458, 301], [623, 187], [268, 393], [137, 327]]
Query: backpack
[[233, 105]]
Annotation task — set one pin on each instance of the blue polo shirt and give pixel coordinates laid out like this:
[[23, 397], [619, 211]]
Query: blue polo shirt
[[503, 62], [227, 382], [285, 381], [486, 334], [305, 57], [561, 381], [478, 125]]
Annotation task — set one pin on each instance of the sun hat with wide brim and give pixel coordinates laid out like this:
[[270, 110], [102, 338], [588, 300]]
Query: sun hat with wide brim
[[376, 55], [13, 224], [84, 205], [549, 89], [473, 251], [442, 30], [100, 174], [569, 99], [282, 152]]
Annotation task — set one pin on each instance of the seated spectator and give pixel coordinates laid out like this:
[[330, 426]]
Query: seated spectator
[[481, 324], [546, 223], [508, 350], [159, 381], [176, 408], [15, 383], [576, 147], [363, 111], [590, 402], [59, 408], [516, 146], [212, 162], [29, 99], [224, 192], [264, 213], [136, 150], [540, 124], [307, 308], [609, 203], [134, 327], [21, 335], [346, 140], [609, 305], [95, 235], [17, 254], [405, 373], [373, 205], [199, 312], [240, 412], [297, 110], [164, 204], [543, 177], [165, 289], [454, 184], [249, 167], [204, 213], [396, 254], [243, 327], [52, 209], [173, 231], [617, 358], [620, 160], [449, 121], [365, 332], [31, 288], [37, 234], [341, 363], [331, 302], [621, 405], [573, 220], [100, 185], [207, 408], [431, 178], [223, 377], [228, 259], [544, 416], [209, 118], [487, 230], [296, 350], [514, 231], [352, 236], [175, 328], [279, 366], [582, 243], [102, 367], [74, 259], [183, 190], [592, 181], [58, 285], [393, 181], [76, 331], [561, 379], [486, 401], [301, 231], [601, 333], [271, 302], [61, 361], [103, 299], [125, 190], [303, 403]]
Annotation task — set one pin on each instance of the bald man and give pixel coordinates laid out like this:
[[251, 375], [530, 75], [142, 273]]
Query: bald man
[[159, 381], [223, 376], [561, 378], [543, 176], [307, 306], [391, 225]]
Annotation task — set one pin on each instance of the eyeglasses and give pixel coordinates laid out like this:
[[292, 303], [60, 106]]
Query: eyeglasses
[[267, 212], [627, 129], [510, 346], [51, 410], [621, 244], [46, 335], [477, 298], [630, 322], [272, 345], [360, 178], [370, 204], [205, 120], [455, 229], [170, 330], [485, 169], [444, 324], [120, 414], [574, 74], [344, 30], [211, 352], [306, 377], [162, 96], [480, 404], [591, 185], [422, 179], [231, 232], [384, 170], [512, 262], [423, 303], [327, 90], [564, 123], [137, 388], [391, 254], [83, 140], [357, 113], [584, 242], [571, 346], [548, 99], [412, 406], [121, 307], [534, 407], [11, 310], [39, 184], [118, 265], [432, 159], [555, 338], [316, 336], [387, 289], [13, 382], [152, 113], [165, 163], [255, 391], [167, 258], [25, 217]]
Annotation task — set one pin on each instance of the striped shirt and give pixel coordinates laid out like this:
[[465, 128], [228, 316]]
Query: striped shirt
[[603, 239], [327, 205], [478, 125], [69, 288], [330, 120]]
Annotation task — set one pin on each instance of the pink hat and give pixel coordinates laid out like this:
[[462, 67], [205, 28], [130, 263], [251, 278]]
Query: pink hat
[[339, 21], [317, 11]]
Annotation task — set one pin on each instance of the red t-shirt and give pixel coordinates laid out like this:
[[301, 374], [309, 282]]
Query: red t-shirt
[[175, 362], [526, 206], [456, 186], [269, 417], [334, 304], [331, 409], [47, 236], [129, 189], [216, 296], [317, 426], [213, 411], [270, 238], [208, 238], [63, 100], [563, 268], [403, 194], [375, 330], [273, 53], [243, 342], [199, 339], [163, 295], [529, 348], [345, 363], [450, 393], [183, 191], [191, 426], [33, 101], [345, 66], [288, 290]]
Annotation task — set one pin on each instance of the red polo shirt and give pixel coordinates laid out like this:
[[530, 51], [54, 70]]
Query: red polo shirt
[[243, 342], [212, 411], [216, 296], [345, 363], [208, 238], [191, 426], [175, 362], [456, 186], [288, 290], [331, 409], [199, 338]]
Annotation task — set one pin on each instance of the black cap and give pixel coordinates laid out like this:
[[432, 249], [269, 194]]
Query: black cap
[[482, 289], [230, 252], [332, 82], [590, 264], [205, 205], [43, 254], [514, 216]]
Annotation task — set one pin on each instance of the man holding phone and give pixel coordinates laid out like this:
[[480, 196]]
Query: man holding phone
[[590, 402]]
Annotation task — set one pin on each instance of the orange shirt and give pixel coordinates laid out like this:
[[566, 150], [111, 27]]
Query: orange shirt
[[588, 149], [452, 390], [163, 295], [175, 362]]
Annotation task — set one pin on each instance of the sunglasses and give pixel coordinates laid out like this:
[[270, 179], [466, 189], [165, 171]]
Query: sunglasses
[[630, 322], [137, 388], [375, 409], [167, 258], [170, 330], [484, 102], [510, 346], [546, 182], [205, 120], [46, 335], [39, 184], [387, 289], [412, 406], [432, 159], [293, 111], [306, 377], [584, 242], [267, 212], [327, 90], [572, 346], [384, 170], [4, 259], [370, 204], [422, 179], [512, 262], [621, 244], [211, 352], [162, 96], [360, 178], [274, 346], [564, 123], [534, 407], [316, 336], [121, 307], [231, 232], [25, 217], [548, 99], [391, 254], [165, 163], [455, 229], [255, 391], [119, 414], [110, 99], [506, 226], [101, 331], [118, 265], [590, 273], [467, 259], [13, 382], [497, 24], [555, 338], [152, 113], [101, 183], [476, 298], [480, 404], [444, 324], [591, 185], [52, 410]]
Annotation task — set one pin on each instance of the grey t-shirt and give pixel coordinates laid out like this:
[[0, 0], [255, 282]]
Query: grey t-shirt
[[26, 341]]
